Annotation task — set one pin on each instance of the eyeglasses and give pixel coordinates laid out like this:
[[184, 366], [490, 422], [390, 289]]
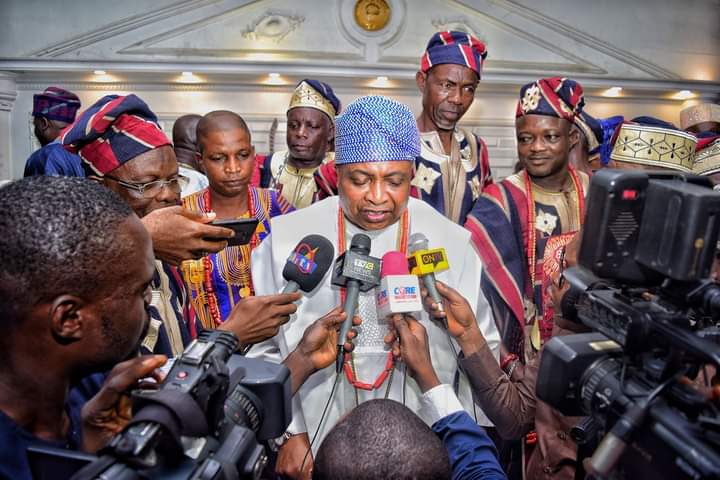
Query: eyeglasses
[[152, 189]]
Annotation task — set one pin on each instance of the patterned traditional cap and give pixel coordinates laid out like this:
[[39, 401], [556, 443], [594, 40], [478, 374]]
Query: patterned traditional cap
[[113, 131], [651, 141], [555, 97], [604, 130], [459, 48], [707, 156], [315, 94], [56, 104], [376, 129], [705, 112]]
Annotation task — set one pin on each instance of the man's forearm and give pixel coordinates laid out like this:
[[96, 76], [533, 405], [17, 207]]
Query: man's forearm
[[509, 405], [300, 369]]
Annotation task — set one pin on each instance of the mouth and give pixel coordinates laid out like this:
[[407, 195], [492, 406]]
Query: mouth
[[235, 183], [375, 216], [450, 114], [300, 147]]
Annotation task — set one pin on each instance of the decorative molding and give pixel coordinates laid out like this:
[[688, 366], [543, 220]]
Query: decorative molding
[[137, 47], [372, 42], [273, 26], [119, 27], [602, 46], [460, 23]]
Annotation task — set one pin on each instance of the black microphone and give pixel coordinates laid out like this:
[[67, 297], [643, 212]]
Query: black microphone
[[307, 264], [358, 272]]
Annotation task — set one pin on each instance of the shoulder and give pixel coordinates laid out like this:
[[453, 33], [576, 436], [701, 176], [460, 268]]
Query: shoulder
[[434, 223], [307, 219], [194, 200]]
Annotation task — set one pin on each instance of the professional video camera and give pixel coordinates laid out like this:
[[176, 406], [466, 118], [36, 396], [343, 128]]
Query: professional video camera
[[205, 421], [648, 244]]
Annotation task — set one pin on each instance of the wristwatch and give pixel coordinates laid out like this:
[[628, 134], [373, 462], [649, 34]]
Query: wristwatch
[[282, 439]]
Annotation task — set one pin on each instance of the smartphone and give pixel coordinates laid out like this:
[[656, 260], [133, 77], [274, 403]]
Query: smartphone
[[243, 228]]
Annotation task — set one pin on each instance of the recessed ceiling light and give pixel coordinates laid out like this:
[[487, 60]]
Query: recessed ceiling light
[[683, 95], [187, 74], [380, 82], [99, 72], [612, 92], [274, 78]]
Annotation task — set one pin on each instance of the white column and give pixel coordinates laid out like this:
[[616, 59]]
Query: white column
[[8, 93]]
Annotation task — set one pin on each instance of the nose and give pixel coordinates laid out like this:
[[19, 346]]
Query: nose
[[232, 165], [538, 144], [376, 194], [455, 96], [169, 193], [302, 131]]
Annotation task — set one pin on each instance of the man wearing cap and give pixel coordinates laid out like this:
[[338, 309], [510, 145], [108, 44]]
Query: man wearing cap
[[122, 147], [452, 167], [310, 134], [700, 119], [520, 224], [53, 110], [648, 143], [376, 144]]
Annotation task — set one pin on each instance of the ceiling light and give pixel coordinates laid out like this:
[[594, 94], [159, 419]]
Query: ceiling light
[[274, 78], [187, 74], [612, 92], [188, 77], [683, 95], [380, 82], [99, 72]]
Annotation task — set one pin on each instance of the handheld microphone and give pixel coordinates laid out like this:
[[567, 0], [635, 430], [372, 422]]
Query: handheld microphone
[[357, 271], [424, 262], [399, 292], [307, 264]]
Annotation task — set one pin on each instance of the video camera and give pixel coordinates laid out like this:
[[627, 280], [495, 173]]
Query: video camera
[[648, 245], [205, 421]]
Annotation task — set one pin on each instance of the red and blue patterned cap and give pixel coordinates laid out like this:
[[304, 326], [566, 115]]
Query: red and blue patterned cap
[[459, 48], [114, 130], [56, 104]]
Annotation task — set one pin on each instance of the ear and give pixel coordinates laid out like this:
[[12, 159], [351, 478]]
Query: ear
[[574, 138], [331, 132], [43, 123], [421, 80], [199, 160], [68, 319]]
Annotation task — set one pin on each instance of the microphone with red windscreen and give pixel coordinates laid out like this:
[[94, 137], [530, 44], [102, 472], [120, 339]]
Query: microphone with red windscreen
[[399, 292]]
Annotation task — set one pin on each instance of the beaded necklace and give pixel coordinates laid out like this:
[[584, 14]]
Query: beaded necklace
[[244, 250], [532, 232], [349, 363]]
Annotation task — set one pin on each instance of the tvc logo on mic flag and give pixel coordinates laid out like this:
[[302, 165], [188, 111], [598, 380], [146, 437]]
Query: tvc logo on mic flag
[[304, 258]]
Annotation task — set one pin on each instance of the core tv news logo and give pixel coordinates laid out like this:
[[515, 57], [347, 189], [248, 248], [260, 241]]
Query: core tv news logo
[[399, 294], [304, 258]]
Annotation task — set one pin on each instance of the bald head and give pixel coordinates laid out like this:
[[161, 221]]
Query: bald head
[[219, 121], [185, 139]]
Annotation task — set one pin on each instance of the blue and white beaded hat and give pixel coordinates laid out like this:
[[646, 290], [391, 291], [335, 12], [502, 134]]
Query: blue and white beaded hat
[[376, 129]]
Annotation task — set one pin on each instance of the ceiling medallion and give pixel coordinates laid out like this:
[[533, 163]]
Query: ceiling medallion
[[372, 15]]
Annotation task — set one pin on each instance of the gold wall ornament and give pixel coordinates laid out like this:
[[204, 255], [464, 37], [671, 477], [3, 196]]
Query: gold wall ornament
[[372, 15]]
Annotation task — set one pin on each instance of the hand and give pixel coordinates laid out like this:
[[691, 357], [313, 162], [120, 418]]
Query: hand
[[179, 234], [291, 455], [255, 319], [108, 412], [319, 341], [318, 347], [461, 321], [410, 344]]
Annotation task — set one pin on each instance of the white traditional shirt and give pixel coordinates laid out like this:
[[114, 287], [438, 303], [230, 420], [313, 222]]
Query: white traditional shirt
[[370, 353]]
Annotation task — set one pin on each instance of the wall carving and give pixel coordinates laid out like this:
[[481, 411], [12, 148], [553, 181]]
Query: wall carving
[[273, 26]]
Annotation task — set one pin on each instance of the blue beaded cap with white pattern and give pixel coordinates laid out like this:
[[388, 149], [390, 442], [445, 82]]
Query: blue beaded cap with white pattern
[[376, 129]]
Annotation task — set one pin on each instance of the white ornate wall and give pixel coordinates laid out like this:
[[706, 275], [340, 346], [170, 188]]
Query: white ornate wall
[[651, 48]]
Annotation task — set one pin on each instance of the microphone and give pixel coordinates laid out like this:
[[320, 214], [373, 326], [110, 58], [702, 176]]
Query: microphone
[[357, 271], [399, 291], [424, 262], [307, 264]]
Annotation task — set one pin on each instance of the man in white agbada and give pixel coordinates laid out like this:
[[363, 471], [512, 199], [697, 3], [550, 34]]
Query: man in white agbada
[[376, 143]]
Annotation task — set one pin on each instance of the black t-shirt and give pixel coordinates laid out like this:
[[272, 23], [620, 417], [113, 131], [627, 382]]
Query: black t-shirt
[[14, 441]]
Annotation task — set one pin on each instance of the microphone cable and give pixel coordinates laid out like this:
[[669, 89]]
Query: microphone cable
[[322, 419]]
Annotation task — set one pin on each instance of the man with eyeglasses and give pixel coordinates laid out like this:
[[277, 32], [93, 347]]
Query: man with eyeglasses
[[122, 147]]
